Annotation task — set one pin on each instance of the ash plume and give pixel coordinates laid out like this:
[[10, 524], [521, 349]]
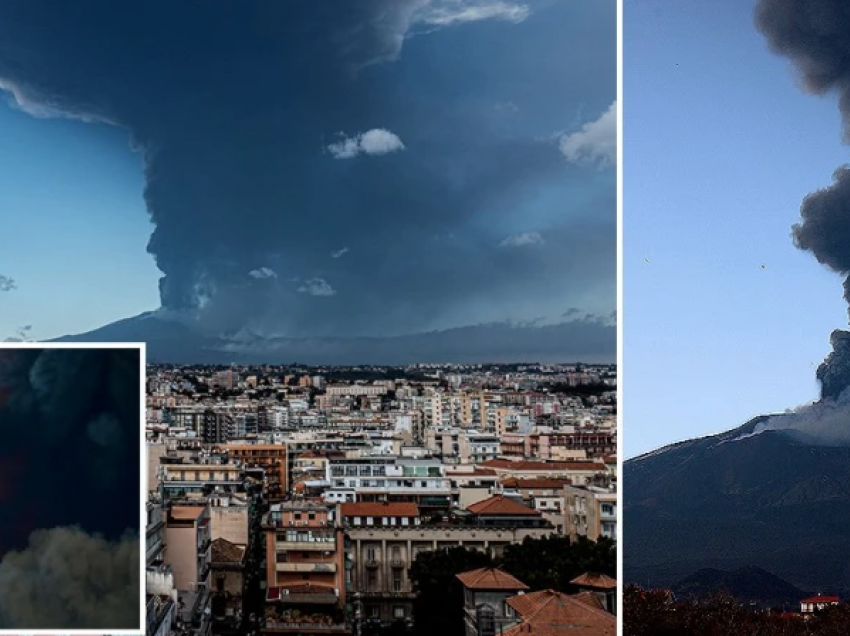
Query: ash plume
[[69, 579], [815, 36], [233, 107]]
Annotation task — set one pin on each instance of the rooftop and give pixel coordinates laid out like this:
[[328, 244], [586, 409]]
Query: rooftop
[[596, 581], [501, 505], [551, 613], [490, 579]]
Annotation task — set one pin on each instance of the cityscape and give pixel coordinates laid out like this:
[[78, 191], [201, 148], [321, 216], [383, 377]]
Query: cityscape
[[460, 499]]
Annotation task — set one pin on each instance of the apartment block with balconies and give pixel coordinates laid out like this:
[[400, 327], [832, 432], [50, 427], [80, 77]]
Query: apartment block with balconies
[[305, 569]]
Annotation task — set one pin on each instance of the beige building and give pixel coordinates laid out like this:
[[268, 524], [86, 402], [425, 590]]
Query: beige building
[[380, 559], [590, 512], [187, 551]]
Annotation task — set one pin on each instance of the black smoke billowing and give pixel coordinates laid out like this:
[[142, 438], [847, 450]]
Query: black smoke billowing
[[815, 36], [235, 106], [70, 480]]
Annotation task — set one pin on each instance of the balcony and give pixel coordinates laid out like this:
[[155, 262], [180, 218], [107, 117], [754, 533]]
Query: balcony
[[305, 546], [371, 563], [326, 598], [315, 568], [397, 562]]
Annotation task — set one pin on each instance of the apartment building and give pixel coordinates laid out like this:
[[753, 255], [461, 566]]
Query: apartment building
[[305, 569], [590, 511], [485, 591], [273, 458], [421, 481], [187, 551]]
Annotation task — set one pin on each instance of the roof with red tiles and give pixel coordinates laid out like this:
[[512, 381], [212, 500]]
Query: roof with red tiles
[[551, 613], [596, 581], [501, 505], [380, 509], [821, 599], [490, 579]]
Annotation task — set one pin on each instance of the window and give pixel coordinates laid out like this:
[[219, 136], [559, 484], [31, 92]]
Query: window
[[396, 553], [370, 554], [398, 611], [374, 612], [219, 584], [397, 581]]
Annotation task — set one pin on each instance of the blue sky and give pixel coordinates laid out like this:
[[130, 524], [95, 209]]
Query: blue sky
[[74, 226], [422, 150], [724, 318]]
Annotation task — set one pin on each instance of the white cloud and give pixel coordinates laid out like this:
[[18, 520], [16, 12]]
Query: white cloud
[[317, 287], [339, 253], [262, 273], [519, 240], [443, 13], [596, 143], [21, 99], [377, 141]]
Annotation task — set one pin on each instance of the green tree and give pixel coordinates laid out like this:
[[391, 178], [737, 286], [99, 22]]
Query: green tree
[[438, 607], [552, 562]]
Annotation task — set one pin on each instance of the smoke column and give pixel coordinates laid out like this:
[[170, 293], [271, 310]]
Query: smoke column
[[815, 36]]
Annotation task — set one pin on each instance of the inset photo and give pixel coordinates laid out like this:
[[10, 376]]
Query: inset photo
[[737, 253], [71, 476]]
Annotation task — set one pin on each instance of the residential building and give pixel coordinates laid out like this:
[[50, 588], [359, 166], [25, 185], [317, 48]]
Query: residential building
[[484, 594], [305, 569], [590, 512]]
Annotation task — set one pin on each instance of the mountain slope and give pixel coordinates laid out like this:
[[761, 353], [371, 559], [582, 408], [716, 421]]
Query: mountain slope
[[728, 501], [170, 341], [748, 584]]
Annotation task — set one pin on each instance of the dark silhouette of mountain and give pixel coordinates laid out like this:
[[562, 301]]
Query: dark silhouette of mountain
[[170, 341], [731, 500], [751, 585]]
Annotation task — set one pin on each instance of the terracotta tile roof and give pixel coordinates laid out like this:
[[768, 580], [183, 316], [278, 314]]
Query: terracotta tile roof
[[596, 581], [490, 579], [821, 599], [501, 505], [223, 551], [534, 466], [591, 598], [551, 613], [380, 509]]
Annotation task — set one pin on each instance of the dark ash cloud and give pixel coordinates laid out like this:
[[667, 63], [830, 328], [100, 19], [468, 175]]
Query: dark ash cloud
[[815, 36], [233, 109], [70, 412]]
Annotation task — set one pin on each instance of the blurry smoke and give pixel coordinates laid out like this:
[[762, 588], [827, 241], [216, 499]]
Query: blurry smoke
[[815, 36], [824, 423], [68, 579]]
